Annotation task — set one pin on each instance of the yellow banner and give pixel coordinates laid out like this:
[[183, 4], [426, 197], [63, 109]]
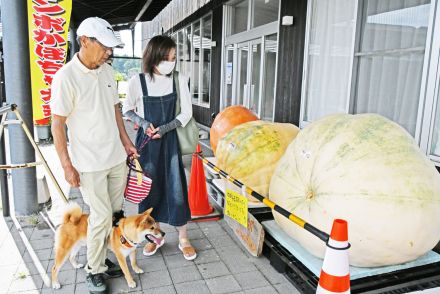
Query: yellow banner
[[236, 207], [48, 22]]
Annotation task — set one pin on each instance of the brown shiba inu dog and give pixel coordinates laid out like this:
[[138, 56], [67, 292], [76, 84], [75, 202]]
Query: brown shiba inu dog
[[123, 239]]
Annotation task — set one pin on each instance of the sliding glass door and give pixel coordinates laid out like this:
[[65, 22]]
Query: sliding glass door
[[249, 56], [254, 84]]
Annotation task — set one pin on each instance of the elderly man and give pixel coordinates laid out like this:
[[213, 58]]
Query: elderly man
[[84, 96]]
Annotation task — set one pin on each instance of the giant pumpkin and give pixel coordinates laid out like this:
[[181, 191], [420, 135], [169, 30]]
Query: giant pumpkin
[[367, 170], [226, 120], [250, 152]]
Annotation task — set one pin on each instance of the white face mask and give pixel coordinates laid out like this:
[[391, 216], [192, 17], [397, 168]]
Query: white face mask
[[165, 67]]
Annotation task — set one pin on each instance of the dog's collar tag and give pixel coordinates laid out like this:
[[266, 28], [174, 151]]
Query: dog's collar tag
[[125, 241]]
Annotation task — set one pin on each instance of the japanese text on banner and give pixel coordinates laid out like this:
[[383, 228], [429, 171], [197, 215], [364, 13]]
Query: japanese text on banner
[[48, 22], [236, 207]]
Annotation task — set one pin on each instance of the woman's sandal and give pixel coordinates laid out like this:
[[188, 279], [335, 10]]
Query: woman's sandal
[[189, 253], [151, 248]]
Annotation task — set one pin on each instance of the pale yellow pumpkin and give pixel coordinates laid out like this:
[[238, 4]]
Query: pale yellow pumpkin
[[250, 151], [367, 170]]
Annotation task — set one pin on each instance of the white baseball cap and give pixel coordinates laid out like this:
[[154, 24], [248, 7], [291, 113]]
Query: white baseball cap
[[95, 27]]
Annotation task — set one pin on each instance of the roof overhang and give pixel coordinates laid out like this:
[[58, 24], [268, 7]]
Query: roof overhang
[[120, 13]]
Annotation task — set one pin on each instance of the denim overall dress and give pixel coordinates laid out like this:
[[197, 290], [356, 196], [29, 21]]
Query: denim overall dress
[[162, 161]]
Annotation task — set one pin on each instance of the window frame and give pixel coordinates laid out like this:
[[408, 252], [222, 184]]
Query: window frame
[[430, 86]]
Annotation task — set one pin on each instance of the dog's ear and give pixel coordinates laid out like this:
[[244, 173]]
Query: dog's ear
[[142, 218], [148, 211], [145, 215]]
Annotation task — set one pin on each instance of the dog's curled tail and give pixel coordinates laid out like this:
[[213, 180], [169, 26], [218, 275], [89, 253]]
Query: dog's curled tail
[[72, 214]]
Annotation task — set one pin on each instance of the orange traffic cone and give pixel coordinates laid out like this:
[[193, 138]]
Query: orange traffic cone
[[197, 194], [335, 274]]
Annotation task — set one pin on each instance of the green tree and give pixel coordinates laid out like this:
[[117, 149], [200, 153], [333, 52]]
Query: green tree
[[118, 77], [132, 67], [118, 64]]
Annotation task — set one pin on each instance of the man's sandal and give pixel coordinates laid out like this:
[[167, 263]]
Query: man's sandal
[[189, 253], [151, 248]]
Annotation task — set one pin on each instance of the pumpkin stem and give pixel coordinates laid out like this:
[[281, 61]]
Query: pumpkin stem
[[310, 193]]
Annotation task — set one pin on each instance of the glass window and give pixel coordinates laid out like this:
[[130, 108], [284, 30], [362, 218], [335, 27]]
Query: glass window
[[389, 59], [184, 51], [229, 73], [265, 11], [239, 16], [179, 53], [194, 58], [175, 37], [393, 37], [390, 24], [195, 66], [268, 97], [435, 145], [242, 76], [255, 85], [329, 58], [206, 67], [430, 127]]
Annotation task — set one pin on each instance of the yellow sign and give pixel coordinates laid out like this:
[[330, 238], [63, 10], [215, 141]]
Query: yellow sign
[[236, 207], [48, 22]]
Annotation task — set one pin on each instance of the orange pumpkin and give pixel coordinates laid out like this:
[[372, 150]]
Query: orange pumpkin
[[226, 120]]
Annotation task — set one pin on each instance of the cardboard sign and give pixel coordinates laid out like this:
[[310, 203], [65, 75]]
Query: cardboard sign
[[252, 237], [236, 207]]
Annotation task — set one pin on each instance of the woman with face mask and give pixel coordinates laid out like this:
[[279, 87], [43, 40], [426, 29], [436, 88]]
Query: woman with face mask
[[151, 103]]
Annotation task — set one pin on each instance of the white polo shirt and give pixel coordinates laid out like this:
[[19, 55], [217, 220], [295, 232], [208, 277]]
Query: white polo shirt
[[88, 98]]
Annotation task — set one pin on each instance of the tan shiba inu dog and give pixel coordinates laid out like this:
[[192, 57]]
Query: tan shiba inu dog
[[123, 240]]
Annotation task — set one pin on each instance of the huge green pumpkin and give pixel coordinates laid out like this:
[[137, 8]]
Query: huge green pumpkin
[[367, 170], [250, 152]]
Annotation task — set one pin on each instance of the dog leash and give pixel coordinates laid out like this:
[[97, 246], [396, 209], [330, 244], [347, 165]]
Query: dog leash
[[129, 157], [144, 142]]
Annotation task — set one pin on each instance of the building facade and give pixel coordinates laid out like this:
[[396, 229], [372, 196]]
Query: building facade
[[297, 61]]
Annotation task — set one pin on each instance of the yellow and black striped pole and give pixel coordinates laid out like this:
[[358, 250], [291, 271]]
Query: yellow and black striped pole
[[297, 220]]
